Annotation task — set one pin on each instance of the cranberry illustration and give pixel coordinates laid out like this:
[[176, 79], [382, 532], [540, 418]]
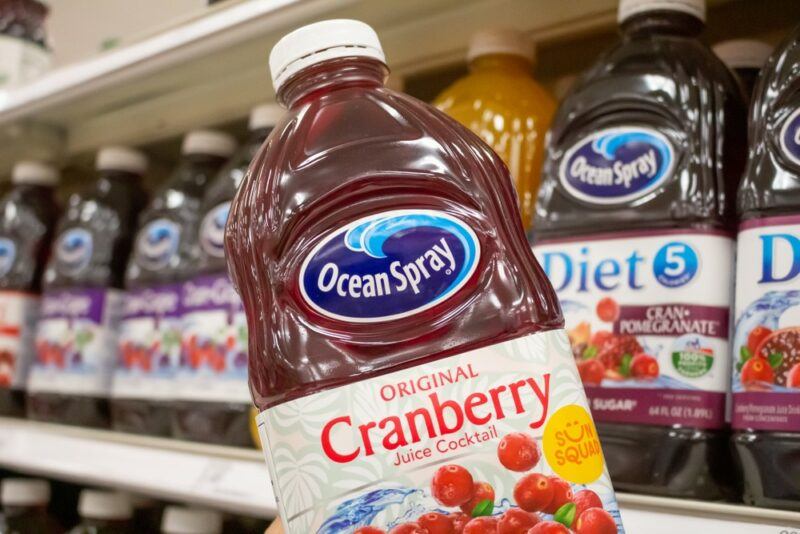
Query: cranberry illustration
[[591, 371], [533, 492], [755, 337], [452, 485], [408, 528], [481, 491], [436, 523], [595, 521], [549, 527], [793, 377], [562, 494], [757, 369], [481, 525], [615, 348], [369, 530], [600, 337], [584, 500], [644, 367], [607, 310], [516, 521], [460, 520], [518, 452]]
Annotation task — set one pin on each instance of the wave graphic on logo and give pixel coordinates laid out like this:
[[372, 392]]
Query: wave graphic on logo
[[212, 230], [8, 253], [74, 249], [617, 165], [157, 243]]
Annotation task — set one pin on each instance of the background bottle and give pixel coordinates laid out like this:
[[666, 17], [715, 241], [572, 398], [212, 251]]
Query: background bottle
[[27, 215], [104, 512], [183, 520], [501, 102], [79, 320], [744, 57], [24, 502], [150, 329]]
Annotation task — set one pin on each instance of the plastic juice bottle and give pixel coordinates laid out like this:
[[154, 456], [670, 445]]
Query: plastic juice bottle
[[27, 215], [634, 229], [181, 520], [744, 57], [150, 329], [501, 102], [213, 400], [104, 512], [24, 502], [76, 341], [403, 340], [766, 344]]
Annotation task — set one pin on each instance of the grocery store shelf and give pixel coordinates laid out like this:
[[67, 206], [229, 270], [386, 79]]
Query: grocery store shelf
[[227, 478]]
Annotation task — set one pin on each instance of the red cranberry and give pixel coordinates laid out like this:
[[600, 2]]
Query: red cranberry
[[369, 530], [516, 521], [452, 485], [481, 525], [595, 521], [533, 492], [607, 310], [562, 494], [481, 491], [436, 523], [549, 527], [408, 528], [518, 452], [584, 500]]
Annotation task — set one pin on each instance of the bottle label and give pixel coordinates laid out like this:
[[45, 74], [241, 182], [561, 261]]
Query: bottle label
[[214, 345], [790, 137], [617, 165], [18, 314], [8, 253], [391, 449], [76, 341], [766, 343], [149, 343], [212, 230], [389, 265], [648, 317], [157, 243], [74, 250]]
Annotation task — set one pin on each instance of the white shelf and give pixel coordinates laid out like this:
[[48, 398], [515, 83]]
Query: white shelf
[[227, 478]]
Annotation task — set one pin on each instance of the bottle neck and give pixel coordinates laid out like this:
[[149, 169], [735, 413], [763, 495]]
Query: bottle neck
[[114, 179], [330, 76], [502, 62], [665, 22]]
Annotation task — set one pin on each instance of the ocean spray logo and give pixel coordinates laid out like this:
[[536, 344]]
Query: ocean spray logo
[[617, 165], [389, 265], [8, 252], [212, 230], [74, 249], [157, 243], [790, 137]]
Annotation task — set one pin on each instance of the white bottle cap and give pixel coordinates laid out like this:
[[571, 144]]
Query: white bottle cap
[[743, 53], [95, 504], [121, 158], [629, 8], [34, 173], [24, 492], [181, 520], [501, 41], [264, 116], [319, 42], [210, 142]]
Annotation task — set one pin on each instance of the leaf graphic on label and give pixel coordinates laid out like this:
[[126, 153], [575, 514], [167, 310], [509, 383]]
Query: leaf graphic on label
[[307, 414], [566, 514], [745, 354], [485, 507], [775, 360], [565, 386], [302, 478], [625, 365]]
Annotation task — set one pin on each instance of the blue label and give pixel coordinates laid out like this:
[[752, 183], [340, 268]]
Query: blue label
[[8, 252], [74, 249], [617, 165], [675, 264], [212, 230], [790, 137], [157, 243], [389, 265]]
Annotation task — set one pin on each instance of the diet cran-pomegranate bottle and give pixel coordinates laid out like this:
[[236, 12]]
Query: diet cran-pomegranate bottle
[[407, 352]]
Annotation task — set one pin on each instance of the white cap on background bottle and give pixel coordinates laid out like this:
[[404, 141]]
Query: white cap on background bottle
[[501, 41], [210, 142], [96, 504], [182, 520], [319, 42], [264, 116], [34, 173], [629, 8], [24, 492], [743, 53], [121, 158]]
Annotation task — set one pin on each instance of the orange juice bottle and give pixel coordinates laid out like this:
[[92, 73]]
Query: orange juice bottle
[[501, 102]]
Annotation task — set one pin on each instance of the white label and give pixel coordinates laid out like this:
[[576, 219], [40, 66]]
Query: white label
[[18, 313], [368, 453]]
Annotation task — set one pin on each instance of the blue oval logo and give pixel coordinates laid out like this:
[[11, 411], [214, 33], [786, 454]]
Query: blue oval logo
[[212, 230], [790, 137], [389, 265], [74, 249], [617, 165], [157, 243], [8, 253]]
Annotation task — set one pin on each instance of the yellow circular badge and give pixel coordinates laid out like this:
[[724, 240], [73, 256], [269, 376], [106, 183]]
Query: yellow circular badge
[[571, 445]]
